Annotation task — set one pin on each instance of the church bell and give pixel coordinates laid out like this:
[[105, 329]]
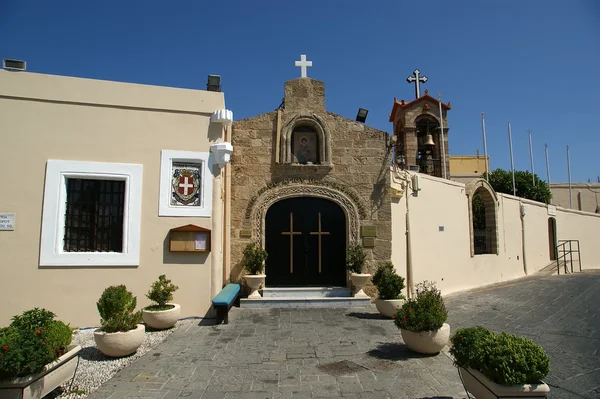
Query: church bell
[[428, 140]]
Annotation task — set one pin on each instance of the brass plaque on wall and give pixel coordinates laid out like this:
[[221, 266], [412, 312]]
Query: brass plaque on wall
[[368, 242], [368, 231], [245, 233]]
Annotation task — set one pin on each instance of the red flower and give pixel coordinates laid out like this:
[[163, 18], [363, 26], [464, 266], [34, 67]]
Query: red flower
[[38, 332], [0, 357], [43, 329], [45, 342], [5, 347]]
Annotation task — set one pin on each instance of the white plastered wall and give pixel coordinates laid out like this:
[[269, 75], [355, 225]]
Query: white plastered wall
[[51, 117], [444, 256]]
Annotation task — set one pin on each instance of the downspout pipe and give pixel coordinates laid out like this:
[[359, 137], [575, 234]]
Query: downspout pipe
[[522, 211], [409, 274]]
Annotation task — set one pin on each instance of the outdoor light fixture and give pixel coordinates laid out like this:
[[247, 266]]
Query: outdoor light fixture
[[214, 83], [362, 115]]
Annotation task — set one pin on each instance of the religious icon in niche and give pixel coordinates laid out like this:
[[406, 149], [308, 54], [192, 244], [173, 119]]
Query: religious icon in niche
[[186, 181], [305, 146]]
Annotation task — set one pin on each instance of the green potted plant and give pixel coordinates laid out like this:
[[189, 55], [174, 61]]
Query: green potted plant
[[355, 263], [495, 365], [121, 333], [254, 258], [389, 286], [36, 355], [161, 314], [422, 320]]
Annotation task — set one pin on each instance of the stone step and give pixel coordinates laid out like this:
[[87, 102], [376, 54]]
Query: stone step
[[306, 292], [315, 302]]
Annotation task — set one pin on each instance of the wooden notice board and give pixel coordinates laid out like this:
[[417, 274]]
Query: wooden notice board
[[189, 238]]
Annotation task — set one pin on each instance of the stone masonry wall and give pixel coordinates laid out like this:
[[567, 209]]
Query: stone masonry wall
[[360, 161]]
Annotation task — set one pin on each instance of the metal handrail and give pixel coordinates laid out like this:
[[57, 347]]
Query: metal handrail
[[567, 254]]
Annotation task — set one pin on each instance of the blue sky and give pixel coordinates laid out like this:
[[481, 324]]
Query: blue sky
[[533, 63]]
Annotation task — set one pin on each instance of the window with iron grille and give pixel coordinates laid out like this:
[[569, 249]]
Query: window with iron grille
[[94, 215]]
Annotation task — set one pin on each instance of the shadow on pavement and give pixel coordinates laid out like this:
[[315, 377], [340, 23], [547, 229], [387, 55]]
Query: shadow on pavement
[[369, 316], [395, 351]]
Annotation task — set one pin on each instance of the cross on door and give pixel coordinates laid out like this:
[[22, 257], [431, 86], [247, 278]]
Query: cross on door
[[417, 79], [319, 233], [291, 233]]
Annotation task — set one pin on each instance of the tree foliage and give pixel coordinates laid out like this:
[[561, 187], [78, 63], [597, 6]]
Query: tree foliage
[[501, 181]]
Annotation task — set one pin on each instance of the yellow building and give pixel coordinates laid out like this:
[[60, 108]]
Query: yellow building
[[464, 168]]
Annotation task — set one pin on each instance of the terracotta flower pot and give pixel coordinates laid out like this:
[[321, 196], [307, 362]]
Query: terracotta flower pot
[[427, 342], [162, 319], [254, 282]]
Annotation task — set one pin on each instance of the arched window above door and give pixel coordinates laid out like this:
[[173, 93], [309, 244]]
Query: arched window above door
[[305, 140]]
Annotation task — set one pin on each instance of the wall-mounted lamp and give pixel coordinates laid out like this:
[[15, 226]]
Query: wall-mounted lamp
[[361, 116], [222, 152]]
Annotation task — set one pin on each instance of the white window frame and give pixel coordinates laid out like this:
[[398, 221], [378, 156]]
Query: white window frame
[[53, 217], [167, 157]]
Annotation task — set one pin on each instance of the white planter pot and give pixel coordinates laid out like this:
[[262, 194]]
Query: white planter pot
[[482, 388], [39, 385], [388, 307], [358, 281], [254, 282], [161, 319], [120, 344], [427, 342]]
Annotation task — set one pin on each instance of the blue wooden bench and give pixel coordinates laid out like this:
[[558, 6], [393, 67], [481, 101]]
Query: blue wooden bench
[[224, 301]]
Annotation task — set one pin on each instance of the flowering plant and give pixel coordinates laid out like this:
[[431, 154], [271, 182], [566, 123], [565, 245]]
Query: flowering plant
[[32, 340], [426, 312], [504, 358]]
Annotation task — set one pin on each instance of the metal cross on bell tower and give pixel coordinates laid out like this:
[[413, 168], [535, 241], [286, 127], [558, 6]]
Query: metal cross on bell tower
[[417, 79]]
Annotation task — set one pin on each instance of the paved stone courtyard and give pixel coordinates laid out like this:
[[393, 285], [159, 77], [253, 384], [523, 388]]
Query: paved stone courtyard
[[561, 313], [313, 353], [287, 353]]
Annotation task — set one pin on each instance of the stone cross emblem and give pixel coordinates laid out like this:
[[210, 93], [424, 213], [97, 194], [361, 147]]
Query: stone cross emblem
[[303, 64], [417, 79]]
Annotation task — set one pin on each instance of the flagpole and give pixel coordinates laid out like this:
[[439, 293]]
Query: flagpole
[[569, 169], [487, 168], [548, 168], [531, 159], [512, 161], [442, 136]]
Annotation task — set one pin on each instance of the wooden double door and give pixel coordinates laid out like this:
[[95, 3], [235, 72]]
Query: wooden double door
[[305, 239]]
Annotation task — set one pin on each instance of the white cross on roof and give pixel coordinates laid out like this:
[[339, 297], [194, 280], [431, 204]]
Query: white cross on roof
[[303, 64]]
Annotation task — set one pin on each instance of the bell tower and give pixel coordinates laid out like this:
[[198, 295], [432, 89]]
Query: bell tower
[[421, 130]]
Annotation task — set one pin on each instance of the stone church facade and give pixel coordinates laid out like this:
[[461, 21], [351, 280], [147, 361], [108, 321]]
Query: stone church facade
[[306, 183]]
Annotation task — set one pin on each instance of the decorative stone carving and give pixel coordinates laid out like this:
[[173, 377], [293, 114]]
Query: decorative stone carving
[[267, 198]]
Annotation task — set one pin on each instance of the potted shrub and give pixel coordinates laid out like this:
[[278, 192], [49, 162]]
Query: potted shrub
[[161, 314], [254, 257], [36, 355], [389, 285], [422, 320], [495, 365], [120, 333], [355, 262]]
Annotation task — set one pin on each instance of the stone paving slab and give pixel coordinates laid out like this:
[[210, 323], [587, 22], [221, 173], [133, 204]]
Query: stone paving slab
[[561, 313], [287, 353]]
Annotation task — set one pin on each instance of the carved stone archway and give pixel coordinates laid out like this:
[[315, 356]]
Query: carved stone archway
[[269, 197]]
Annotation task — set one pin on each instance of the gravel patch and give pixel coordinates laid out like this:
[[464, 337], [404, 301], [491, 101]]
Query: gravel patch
[[94, 368]]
